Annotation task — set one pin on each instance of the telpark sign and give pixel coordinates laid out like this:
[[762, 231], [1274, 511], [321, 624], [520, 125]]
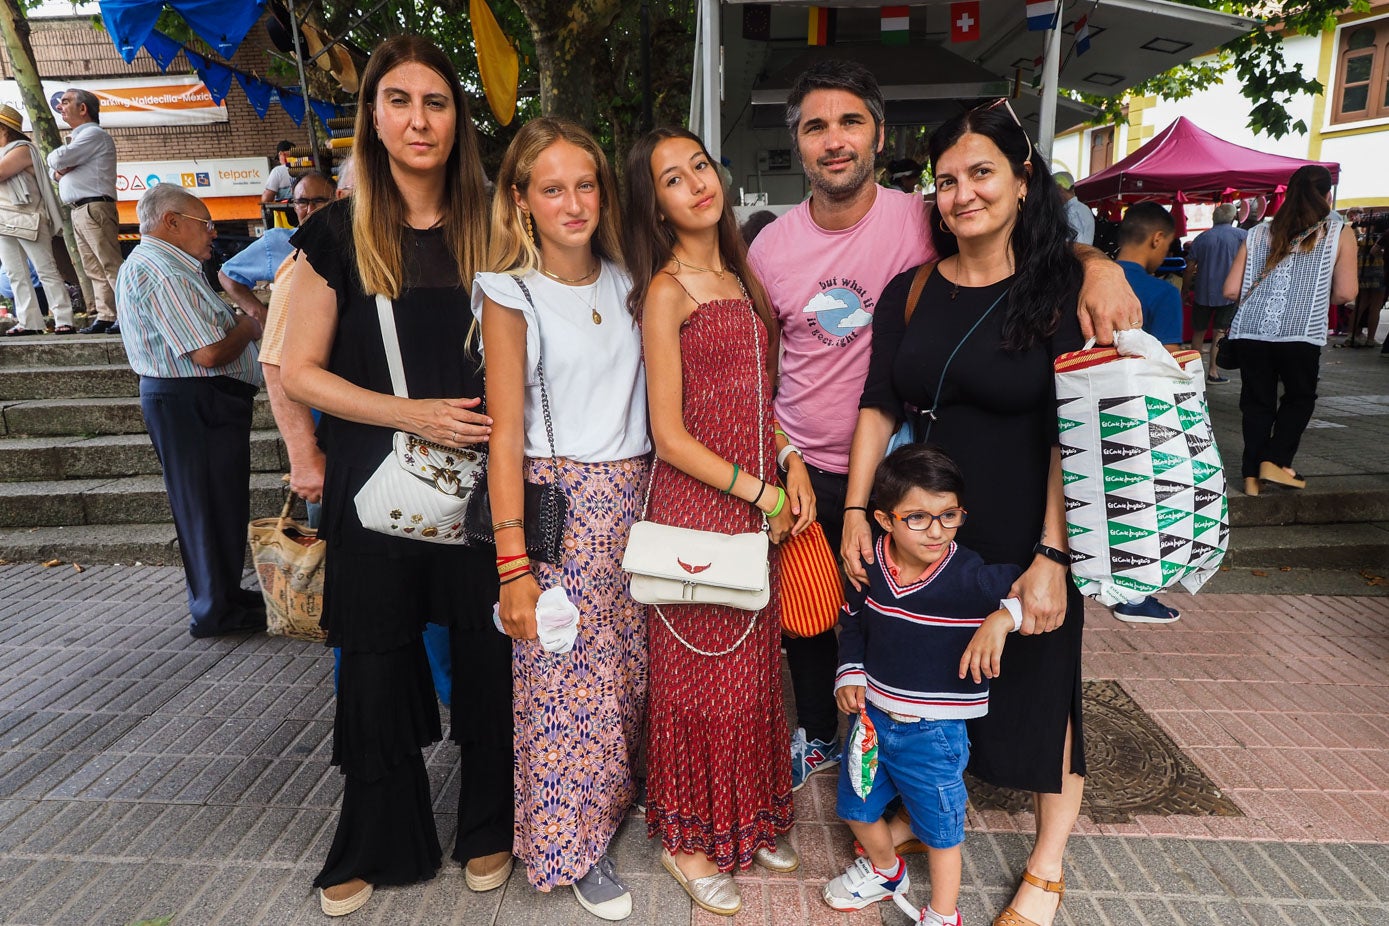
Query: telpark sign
[[133, 102], [206, 178]]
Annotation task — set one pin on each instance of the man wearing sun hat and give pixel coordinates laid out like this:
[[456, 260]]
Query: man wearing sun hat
[[29, 218], [85, 169]]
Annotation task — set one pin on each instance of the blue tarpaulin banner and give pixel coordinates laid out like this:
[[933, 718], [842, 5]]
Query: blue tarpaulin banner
[[219, 23]]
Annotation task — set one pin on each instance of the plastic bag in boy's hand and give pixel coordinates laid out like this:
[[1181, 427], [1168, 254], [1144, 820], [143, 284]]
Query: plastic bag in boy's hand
[[863, 755]]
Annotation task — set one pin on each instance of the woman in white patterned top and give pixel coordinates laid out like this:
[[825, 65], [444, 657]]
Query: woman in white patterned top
[[1286, 277]]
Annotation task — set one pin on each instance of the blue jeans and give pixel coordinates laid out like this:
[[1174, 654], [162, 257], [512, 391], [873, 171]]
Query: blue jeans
[[924, 763]]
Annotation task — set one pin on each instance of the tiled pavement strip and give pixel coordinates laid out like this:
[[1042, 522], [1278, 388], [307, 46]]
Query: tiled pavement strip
[[143, 773]]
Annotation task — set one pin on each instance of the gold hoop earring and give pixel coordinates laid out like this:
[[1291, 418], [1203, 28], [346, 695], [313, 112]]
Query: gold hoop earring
[[941, 223]]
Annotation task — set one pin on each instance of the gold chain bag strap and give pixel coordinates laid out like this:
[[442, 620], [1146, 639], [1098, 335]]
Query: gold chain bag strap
[[677, 565]]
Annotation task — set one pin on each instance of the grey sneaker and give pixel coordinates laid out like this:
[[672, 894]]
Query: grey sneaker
[[602, 894]]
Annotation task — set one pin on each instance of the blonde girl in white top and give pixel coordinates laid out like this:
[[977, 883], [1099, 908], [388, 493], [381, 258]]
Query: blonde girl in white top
[[557, 298]]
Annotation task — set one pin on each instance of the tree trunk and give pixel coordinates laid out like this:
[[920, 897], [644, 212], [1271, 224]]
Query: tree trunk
[[26, 74], [568, 37]]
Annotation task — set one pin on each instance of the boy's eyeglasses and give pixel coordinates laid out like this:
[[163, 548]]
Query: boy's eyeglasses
[[949, 519], [1003, 101]]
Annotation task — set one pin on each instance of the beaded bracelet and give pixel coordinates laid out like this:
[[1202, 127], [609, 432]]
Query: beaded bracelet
[[736, 469], [780, 502]]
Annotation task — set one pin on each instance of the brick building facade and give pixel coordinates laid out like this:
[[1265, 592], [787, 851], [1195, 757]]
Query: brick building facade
[[71, 49]]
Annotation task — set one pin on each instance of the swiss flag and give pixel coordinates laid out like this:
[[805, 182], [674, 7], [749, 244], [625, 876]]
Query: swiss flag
[[964, 21]]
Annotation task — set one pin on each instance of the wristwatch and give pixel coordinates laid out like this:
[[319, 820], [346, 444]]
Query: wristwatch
[[1053, 554]]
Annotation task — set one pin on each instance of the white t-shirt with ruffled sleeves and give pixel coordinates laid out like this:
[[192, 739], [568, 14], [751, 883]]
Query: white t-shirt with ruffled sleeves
[[593, 372]]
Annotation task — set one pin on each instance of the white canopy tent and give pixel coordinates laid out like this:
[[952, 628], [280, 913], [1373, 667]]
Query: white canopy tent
[[1130, 41]]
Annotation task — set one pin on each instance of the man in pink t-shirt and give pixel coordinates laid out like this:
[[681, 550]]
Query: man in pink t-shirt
[[824, 264]]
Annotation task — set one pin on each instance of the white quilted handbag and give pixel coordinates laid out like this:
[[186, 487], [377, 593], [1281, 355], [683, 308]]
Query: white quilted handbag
[[421, 489]]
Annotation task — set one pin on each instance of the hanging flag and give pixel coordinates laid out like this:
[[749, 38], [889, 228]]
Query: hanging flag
[[757, 22], [821, 30], [1041, 14], [964, 21], [257, 91], [162, 49], [497, 62], [897, 24], [1082, 35]]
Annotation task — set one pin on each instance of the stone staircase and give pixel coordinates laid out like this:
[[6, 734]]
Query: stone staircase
[[79, 480]]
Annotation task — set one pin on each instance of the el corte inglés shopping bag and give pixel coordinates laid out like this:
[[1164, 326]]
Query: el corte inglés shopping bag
[[1145, 488]]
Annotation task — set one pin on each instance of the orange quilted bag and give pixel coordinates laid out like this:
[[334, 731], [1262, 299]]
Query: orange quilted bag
[[811, 590]]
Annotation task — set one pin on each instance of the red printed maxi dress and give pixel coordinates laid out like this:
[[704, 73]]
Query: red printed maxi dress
[[719, 777]]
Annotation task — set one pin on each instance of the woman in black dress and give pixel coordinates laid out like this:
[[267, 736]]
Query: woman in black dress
[[978, 350], [415, 232]]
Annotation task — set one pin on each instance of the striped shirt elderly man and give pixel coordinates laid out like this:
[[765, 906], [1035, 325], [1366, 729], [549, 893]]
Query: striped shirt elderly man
[[198, 377]]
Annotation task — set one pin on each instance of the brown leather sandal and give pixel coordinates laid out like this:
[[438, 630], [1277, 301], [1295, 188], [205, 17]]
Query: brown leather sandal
[[1011, 917]]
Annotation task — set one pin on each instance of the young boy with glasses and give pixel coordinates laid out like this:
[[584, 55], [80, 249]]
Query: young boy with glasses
[[917, 646]]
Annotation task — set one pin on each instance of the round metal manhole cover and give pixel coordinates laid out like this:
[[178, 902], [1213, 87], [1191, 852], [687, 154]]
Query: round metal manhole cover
[[1134, 767]]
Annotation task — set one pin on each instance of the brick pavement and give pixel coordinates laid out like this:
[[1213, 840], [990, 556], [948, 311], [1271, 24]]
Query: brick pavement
[[143, 773]]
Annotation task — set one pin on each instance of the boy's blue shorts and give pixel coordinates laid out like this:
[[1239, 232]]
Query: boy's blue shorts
[[924, 762]]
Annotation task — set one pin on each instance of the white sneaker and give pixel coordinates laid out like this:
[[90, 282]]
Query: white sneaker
[[862, 885]]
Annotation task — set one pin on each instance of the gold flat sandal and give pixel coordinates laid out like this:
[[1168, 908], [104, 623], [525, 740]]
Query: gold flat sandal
[[717, 893]]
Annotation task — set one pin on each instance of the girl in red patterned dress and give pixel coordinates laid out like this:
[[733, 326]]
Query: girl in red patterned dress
[[718, 786]]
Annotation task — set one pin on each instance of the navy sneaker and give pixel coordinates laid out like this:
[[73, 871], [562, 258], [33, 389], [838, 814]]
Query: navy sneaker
[[809, 756]]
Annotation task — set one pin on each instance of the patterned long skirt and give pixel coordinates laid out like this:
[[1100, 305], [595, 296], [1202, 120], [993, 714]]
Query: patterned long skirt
[[578, 714]]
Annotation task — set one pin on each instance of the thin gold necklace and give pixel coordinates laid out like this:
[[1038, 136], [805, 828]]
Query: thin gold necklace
[[573, 282], [719, 272]]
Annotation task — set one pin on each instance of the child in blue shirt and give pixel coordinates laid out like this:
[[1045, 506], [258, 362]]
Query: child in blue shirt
[[917, 645]]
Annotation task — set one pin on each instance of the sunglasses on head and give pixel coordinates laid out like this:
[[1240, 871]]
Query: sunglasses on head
[[1003, 101]]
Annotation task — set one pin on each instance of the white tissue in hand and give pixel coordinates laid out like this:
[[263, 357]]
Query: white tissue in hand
[[556, 620]]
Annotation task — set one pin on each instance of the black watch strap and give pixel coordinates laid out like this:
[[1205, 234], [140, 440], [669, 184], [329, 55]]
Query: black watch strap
[[1051, 553]]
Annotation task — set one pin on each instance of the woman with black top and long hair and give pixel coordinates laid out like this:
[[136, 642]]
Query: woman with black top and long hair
[[978, 352], [415, 232]]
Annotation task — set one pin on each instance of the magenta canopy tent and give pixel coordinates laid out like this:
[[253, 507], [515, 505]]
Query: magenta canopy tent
[[1184, 163]]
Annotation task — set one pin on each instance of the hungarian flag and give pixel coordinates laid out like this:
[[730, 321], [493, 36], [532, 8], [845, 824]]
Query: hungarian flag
[[897, 22], [821, 30], [1082, 35], [964, 21], [1041, 14]]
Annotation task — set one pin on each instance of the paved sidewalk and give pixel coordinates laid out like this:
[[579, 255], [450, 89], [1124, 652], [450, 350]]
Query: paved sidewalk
[[145, 774]]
